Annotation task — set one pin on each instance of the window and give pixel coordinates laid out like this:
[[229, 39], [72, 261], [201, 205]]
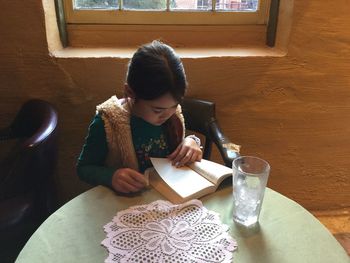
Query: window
[[170, 12], [203, 4], [183, 23]]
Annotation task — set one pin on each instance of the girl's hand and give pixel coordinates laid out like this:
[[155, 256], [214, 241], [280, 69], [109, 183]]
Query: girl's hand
[[187, 152], [126, 180]]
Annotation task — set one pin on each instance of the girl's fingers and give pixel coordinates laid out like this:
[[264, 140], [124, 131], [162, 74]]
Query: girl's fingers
[[130, 181], [199, 156], [188, 151], [185, 159], [175, 152], [137, 178], [127, 180], [181, 154], [125, 187], [194, 158]]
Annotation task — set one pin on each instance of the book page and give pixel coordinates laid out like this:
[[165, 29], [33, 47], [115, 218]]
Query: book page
[[212, 171], [182, 180]]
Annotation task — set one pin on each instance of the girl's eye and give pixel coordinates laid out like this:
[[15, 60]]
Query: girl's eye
[[157, 111]]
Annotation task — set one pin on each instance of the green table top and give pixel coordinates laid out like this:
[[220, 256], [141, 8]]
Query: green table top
[[287, 233]]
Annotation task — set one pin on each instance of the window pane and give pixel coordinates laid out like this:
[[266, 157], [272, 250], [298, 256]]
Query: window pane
[[96, 4], [191, 4], [237, 5], [144, 4]]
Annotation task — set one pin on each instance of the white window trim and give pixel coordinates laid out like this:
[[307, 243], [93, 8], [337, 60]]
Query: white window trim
[[126, 17]]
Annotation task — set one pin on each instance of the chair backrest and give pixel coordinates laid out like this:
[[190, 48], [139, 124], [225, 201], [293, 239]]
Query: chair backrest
[[30, 164], [200, 117], [199, 114]]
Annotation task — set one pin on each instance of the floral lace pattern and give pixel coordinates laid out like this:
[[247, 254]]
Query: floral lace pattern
[[163, 232]]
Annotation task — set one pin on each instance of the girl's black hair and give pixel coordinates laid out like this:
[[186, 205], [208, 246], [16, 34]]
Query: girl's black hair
[[154, 70]]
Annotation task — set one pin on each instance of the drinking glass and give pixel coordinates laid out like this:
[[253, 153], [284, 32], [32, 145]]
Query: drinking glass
[[250, 176]]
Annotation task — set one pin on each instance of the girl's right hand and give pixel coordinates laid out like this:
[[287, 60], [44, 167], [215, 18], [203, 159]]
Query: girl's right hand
[[126, 180]]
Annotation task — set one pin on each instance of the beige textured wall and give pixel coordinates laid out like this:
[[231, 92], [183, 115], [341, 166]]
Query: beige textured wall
[[293, 111]]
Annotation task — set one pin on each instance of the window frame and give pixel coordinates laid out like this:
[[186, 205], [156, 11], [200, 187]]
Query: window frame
[[105, 35], [166, 17]]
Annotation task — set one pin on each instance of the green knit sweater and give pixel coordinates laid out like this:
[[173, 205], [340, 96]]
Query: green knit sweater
[[149, 141]]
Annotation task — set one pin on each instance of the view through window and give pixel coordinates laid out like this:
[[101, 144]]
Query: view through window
[[171, 5], [185, 22]]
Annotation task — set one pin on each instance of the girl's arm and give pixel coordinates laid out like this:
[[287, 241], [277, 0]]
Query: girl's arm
[[90, 165]]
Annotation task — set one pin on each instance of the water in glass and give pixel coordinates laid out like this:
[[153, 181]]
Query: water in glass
[[250, 176]]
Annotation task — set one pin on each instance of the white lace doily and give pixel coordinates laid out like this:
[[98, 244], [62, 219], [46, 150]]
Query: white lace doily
[[163, 232]]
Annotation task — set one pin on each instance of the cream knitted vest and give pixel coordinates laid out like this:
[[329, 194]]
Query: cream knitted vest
[[116, 117]]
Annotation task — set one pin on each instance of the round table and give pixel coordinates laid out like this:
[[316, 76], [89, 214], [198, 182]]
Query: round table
[[286, 233]]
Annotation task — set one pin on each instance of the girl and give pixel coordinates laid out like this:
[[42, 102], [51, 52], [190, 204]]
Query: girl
[[147, 123]]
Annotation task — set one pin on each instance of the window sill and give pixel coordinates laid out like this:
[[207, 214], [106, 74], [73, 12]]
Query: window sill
[[212, 52], [87, 41]]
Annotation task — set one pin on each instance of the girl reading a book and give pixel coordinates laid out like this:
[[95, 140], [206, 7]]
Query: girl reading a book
[[146, 123]]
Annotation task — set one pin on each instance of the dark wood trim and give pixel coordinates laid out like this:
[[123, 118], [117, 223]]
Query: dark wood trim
[[61, 22], [272, 23]]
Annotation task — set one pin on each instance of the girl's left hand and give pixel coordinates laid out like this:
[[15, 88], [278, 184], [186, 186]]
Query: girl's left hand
[[187, 152]]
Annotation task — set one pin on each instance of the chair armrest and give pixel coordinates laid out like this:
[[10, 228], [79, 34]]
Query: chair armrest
[[34, 123], [228, 150], [48, 126]]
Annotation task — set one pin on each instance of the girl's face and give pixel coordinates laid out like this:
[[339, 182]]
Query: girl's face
[[155, 111]]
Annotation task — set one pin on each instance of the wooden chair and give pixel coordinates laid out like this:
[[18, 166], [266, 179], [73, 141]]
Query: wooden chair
[[200, 117], [27, 194]]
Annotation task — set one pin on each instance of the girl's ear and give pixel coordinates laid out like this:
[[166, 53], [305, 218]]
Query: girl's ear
[[128, 91]]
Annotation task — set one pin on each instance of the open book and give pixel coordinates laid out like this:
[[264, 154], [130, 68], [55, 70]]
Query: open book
[[179, 185]]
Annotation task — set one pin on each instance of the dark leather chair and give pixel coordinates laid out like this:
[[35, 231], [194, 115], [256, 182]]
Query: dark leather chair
[[27, 195], [200, 117]]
